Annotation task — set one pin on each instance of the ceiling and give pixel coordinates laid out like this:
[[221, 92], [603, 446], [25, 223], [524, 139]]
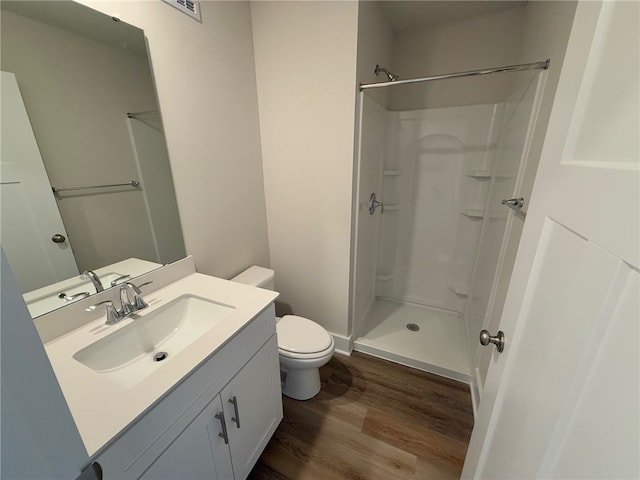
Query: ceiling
[[76, 18], [403, 15]]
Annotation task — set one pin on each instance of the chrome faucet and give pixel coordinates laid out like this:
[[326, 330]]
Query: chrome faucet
[[91, 275], [128, 307]]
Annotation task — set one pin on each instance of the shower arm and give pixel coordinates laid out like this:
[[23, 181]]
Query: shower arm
[[391, 76]]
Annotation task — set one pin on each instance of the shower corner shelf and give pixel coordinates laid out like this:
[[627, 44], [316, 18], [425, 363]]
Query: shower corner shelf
[[391, 173], [483, 174], [473, 212], [384, 276], [479, 173], [459, 290]]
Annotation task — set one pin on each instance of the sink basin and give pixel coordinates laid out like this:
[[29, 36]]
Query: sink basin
[[133, 352]]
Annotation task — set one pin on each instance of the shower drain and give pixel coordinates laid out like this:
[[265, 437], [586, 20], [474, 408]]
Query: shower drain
[[413, 327]]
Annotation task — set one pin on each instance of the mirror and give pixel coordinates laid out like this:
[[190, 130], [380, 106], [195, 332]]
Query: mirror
[[82, 119]]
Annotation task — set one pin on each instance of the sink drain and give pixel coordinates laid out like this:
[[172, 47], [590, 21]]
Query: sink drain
[[413, 327], [158, 357]]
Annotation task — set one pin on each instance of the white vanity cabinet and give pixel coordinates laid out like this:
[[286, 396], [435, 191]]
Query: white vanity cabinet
[[240, 387], [222, 443]]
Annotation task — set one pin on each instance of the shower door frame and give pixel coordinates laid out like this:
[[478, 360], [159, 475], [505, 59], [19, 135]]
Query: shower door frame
[[353, 326]]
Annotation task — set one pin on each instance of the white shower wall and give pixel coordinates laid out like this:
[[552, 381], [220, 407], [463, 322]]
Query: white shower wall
[[434, 184]]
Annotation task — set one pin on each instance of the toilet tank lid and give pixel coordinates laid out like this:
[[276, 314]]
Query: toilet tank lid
[[254, 275]]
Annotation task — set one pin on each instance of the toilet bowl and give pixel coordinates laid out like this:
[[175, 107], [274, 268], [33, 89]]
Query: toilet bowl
[[303, 345]]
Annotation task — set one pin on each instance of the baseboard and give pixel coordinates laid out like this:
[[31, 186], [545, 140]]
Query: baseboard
[[475, 391], [344, 345]]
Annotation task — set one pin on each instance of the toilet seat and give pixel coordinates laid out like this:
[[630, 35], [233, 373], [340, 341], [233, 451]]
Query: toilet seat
[[299, 337]]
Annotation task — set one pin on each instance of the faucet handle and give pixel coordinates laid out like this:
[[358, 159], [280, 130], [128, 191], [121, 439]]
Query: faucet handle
[[113, 314], [127, 306], [138, 302], [119, 279]]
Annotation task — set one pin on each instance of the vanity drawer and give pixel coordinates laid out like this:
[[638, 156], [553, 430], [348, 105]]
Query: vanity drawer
[[132, 451]]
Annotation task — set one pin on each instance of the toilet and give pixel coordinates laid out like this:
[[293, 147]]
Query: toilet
[[303, 345]]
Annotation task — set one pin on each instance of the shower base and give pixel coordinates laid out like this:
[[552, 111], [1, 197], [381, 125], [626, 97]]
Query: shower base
[[438, 346]]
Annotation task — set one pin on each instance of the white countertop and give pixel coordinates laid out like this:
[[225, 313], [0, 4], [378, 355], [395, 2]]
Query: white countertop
[[102, 408]]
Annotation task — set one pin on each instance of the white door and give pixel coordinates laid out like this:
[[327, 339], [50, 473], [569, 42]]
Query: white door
[[562, 401], [30, 216]]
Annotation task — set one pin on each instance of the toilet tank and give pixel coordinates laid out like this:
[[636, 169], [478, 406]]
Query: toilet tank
[[256, 276]]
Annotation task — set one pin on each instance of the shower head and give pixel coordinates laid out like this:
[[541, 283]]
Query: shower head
[[392, 77]]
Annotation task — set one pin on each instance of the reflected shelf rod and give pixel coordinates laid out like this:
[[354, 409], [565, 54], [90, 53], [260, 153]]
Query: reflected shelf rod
[[471, 73], [131, 183]]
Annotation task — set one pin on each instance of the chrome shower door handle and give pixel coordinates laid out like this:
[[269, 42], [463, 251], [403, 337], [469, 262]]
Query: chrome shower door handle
[[514, 203], [374, 203]]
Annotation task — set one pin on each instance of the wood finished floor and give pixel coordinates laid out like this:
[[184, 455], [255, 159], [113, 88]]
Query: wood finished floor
[[372, 419]]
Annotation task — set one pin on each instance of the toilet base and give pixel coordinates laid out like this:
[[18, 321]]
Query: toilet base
[[300, 384]]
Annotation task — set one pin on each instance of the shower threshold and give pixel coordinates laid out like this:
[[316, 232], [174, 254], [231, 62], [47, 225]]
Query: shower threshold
[[426, 338]]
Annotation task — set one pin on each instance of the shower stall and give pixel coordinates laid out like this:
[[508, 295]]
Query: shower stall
[[431, 228]]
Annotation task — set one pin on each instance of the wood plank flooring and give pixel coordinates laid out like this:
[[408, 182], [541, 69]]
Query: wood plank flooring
[[372, 420]]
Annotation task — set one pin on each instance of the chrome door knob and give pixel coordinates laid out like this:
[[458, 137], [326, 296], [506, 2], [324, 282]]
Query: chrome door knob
[[498, 340], [58, 238]]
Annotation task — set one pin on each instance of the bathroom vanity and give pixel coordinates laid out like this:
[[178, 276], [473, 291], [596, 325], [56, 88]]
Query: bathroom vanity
[[206, 409]]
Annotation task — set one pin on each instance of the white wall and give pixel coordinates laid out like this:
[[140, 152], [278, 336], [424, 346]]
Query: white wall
[[305, 55], [375, 39], [489, 40], [205, 78], [375, 43]]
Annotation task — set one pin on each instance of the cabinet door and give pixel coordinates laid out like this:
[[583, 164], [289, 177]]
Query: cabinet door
[[197, 453], [257, 410]]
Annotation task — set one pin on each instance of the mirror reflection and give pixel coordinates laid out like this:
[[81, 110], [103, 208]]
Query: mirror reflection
[[84, 169]]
